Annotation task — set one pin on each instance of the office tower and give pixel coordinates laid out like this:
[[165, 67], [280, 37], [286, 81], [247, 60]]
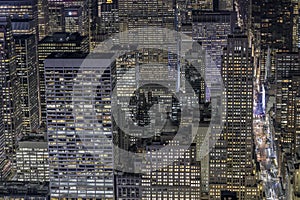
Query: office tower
[[24, 22], [211, 30], [287, 65], [80, 155], [32, 158], [43, 18], [298, 28], [58, 42], [24, 33], [56, 18], [293, 113], [141, 14], [270, 21], [74, 19], [178, 180], [159, 178], [5, 164], [231, 166], [26, 59], [109, 20], [137, 14], [20, 9], [24, 9], [11, 109], [295, 22], [60, 14]]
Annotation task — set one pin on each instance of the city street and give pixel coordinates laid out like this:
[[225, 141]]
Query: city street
[[266, 151]]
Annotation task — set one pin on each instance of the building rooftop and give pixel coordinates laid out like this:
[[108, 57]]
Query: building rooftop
[[63, 37]]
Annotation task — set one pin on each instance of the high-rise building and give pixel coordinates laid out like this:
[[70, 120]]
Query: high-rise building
[[80, 156], [26, 54], [11, 109], [179, 180], [231, 160], [270, 21], [24, 33], [293, 112], [109, 20], [211, 30], [23, 9], [74, 19], [287, 65], [24, 23], [32, 159], [5, 164], [139, 14], [56, 18], [58, 42], [43, 18], [62, 13]]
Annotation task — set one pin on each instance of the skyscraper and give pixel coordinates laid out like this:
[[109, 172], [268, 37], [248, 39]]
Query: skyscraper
[[293, 112], [270, 21], [287, 65], [211, 30], [24, 22], [24, 26], [231, 160], [43, 18], [74, 19], [139, 14], [11, 109], [60, 14], [32, 159], [5, 164], [81, 158], [21, 9], [58, 42], [179, 180], [24, 9], [27, 72], [109, 20]]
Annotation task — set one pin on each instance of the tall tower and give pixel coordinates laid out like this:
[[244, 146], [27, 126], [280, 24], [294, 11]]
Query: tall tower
[[287, 65], [5, 164], [43, 18], [58, 42], [140, 14], [24, 33], [59, 13], [11, 110], [271, 20], [21, 9], [231, 166], [80, 156]]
